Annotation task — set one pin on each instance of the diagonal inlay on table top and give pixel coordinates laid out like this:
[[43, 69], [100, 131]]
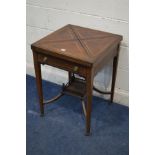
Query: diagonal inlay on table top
[[77, 43]]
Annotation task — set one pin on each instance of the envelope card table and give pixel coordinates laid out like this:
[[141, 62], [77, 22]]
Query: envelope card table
[[80, 51]]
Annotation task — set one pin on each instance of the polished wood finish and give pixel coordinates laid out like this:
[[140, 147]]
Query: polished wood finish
[[89, 91], [53, 99], [76, 87], [37, 67], [115, 60], [62, 64], [80, 51]]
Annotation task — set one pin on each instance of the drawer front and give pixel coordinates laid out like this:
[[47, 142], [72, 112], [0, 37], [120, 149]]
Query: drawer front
[[62, 64]]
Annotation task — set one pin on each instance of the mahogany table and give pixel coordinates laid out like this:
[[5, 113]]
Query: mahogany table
[[80, 51]]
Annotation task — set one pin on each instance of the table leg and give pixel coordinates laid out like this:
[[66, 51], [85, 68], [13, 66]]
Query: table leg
[[69, 76], [115, 62], [37, 67], [89, 90]]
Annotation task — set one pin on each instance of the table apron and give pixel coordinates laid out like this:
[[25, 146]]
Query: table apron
[[62, 64], [110, 54]]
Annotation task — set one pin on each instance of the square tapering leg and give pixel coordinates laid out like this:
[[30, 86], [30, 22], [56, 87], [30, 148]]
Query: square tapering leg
[[114, 73], [37, 67], [89, 90]]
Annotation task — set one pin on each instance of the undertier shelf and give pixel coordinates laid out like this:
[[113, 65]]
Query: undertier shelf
[[77, 87]]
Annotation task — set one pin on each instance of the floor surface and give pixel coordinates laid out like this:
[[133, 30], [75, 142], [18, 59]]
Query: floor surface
[[61, 130]]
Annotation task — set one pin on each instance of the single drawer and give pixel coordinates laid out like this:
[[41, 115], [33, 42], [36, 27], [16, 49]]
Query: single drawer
[[62, 64]]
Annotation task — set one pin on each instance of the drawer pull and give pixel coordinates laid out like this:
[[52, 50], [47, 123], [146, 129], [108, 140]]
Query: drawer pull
[[44, 60], [75, 69]]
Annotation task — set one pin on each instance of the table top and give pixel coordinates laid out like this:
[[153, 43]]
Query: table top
[[77, 43]]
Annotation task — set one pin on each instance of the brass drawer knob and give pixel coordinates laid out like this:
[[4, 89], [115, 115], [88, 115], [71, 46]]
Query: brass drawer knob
[[75, 69], [44, 60]]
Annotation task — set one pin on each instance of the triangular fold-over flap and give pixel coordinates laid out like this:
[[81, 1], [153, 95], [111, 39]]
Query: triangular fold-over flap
[[98, 45], [85, 33], [64, 34], [72, 48]]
